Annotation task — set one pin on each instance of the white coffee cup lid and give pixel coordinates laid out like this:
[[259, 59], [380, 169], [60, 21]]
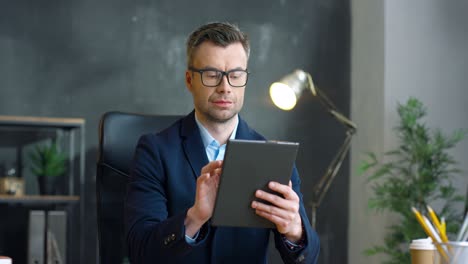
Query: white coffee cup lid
[[5, 260], [422, 244]]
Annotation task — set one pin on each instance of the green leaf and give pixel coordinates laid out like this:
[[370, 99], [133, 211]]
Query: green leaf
[[47, 160]]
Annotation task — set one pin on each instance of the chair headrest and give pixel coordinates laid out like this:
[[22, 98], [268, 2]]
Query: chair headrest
[[119, 133]]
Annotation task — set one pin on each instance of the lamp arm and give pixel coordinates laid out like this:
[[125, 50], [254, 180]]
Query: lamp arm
[[325, 181], [343, 120], [332, 109]]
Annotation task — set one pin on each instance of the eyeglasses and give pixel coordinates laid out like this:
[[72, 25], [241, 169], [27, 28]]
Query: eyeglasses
[[213, 78]]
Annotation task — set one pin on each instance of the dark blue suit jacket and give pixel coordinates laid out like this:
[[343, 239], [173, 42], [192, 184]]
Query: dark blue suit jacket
[[162, 188]]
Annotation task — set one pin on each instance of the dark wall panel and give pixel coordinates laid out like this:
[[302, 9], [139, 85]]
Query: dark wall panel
[[83, 58]]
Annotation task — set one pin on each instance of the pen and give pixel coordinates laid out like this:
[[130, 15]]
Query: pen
[[423, 224], [461, 234], [437, 224], [431, 228], [438, 238], [434, 217], [444, 225]]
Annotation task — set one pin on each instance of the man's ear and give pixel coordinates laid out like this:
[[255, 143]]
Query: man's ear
[[188, 80]]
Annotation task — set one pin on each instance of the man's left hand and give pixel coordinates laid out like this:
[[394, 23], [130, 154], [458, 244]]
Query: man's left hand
[[283, 211]]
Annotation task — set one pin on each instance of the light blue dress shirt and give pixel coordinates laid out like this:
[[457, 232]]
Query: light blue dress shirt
[[213, 150]]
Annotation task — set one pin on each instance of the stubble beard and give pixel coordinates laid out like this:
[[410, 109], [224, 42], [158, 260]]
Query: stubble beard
[[220, 118]]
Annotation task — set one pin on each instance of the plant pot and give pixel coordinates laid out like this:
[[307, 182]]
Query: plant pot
[[46, 185]]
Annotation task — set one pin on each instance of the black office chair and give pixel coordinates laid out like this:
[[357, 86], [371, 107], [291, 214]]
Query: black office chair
[[118, 136]]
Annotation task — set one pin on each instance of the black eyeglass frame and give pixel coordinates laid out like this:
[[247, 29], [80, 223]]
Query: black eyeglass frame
[[223, 73]]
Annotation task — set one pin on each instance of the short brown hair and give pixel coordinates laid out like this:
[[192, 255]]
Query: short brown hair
[[220, 33]]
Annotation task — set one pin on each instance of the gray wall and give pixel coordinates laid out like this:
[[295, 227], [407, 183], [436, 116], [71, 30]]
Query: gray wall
[[401, 49], [83, 58], [367, 100]]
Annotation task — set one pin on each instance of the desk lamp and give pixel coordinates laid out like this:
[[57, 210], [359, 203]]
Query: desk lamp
[[284, 95]]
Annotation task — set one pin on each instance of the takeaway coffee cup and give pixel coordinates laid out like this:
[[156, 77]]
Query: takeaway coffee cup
[[5, 260], [422, 251]]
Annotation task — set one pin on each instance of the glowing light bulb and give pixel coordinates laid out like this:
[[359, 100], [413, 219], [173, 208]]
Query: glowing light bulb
[[283, 96]]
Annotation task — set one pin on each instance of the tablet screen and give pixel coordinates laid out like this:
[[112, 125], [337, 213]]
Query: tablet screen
[[250, 165]]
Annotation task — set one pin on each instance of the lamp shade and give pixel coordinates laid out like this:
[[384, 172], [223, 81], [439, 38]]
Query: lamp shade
[[285, 92]]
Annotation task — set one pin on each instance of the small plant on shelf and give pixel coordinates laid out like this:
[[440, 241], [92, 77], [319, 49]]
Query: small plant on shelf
[[419, 172], [47, 162]]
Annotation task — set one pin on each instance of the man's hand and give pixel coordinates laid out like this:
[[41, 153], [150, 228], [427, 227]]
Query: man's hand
[[207, 185], [283, 212]]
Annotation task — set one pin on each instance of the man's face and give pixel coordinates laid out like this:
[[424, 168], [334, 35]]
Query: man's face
[[221, 103]]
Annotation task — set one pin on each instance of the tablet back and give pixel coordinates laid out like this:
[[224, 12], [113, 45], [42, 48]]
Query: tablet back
[[248, 166]]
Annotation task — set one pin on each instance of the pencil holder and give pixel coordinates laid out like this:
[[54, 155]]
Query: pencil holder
[[457, 253]]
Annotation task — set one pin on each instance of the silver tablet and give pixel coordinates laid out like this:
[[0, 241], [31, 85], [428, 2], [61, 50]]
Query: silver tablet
[[248, 166]]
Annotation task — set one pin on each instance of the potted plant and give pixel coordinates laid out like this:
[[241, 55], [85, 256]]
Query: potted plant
[[419, 172], [47, 161]]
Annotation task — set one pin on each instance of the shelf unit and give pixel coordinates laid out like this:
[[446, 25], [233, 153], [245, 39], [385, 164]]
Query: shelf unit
[[19, 131], [39, 199]]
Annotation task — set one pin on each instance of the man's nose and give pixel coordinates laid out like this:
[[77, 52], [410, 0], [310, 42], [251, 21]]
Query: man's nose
[[224, 86]]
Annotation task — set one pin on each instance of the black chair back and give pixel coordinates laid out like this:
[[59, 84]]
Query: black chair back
[[118, 135]]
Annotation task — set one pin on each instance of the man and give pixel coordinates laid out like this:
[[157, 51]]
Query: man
[[175, 173]]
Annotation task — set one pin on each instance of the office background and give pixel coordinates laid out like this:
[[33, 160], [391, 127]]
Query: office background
[[402, 49], [83, 58]]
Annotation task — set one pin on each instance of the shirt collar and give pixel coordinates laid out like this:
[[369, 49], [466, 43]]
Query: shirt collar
[[207, 139]]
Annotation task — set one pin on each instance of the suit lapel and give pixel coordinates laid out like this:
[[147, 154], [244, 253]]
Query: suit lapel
[[193, 145], [244, 131]]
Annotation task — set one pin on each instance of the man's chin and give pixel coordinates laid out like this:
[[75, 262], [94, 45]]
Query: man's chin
[[221, 117]]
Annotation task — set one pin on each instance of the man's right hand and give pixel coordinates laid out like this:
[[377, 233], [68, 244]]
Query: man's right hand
[[207, 187]]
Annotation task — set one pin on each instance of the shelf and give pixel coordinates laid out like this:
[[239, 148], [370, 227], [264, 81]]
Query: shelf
[[23, 130], [52, 122], [39, 199], [18, 137]]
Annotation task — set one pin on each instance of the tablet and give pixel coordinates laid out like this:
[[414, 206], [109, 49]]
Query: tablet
[[248, 166]]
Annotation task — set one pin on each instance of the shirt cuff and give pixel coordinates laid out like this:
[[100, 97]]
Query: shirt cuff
[[299, 244], [192, 240], [293, 246], [291, 243]]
